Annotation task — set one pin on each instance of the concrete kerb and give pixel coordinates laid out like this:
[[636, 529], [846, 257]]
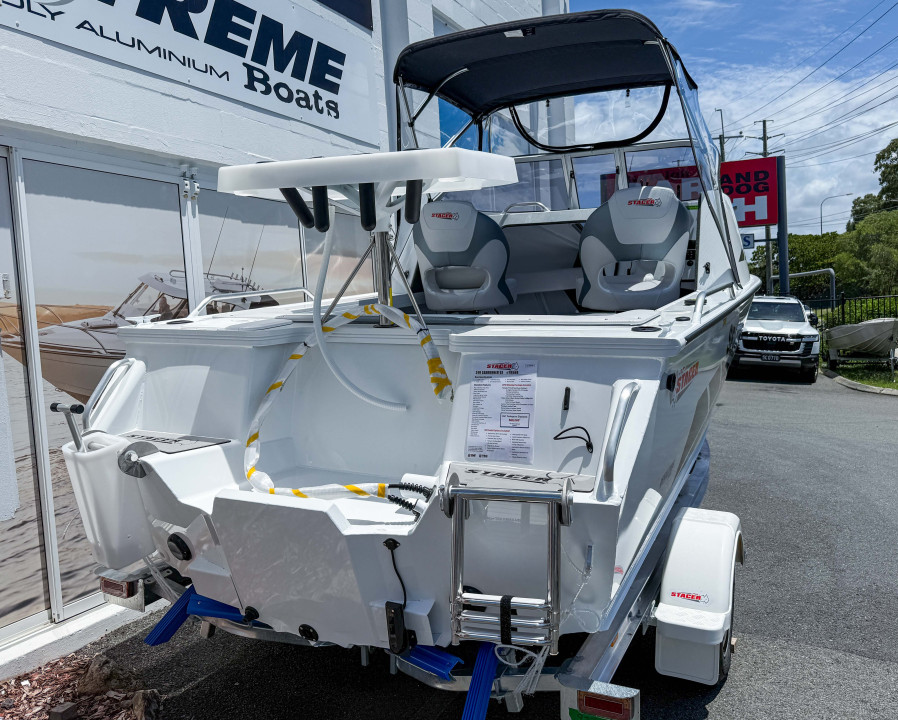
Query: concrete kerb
[[860, 387]]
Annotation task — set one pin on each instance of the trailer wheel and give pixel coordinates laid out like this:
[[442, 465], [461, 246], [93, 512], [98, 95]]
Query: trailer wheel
[[726, 646]]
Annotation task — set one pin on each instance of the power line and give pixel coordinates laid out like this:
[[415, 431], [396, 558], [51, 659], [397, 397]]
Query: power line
[[839, 99], [845, 215], [808, 57], [842, 119], [837, 77], [809, 153], [831, 57], [832, 162]]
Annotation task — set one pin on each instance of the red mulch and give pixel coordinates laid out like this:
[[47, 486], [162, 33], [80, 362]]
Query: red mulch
[[32, 695]]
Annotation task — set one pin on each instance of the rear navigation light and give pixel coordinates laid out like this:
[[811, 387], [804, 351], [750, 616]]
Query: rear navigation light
[[602, 706], [118, 588]]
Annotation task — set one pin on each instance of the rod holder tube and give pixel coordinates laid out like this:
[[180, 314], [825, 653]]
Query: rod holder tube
[[413, 191], [299, 207], [367, 207], [68, 411], [320, 209]]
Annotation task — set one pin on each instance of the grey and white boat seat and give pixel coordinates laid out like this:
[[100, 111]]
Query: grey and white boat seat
[[463, 256], [633, 250]]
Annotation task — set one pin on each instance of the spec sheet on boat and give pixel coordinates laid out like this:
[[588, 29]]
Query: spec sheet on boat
[[500, 425]]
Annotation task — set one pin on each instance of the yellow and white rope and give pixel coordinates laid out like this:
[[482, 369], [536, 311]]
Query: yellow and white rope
[[329, 492], [439, 380]]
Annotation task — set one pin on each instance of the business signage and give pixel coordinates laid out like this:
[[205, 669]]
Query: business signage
[[273, 55], [750, 184]]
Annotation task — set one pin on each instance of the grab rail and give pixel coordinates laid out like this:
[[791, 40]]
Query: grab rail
[[100, 389], [621, 414], [233, 296], [702, 296]]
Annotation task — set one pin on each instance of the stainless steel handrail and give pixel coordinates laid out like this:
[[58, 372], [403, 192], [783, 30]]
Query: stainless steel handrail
[[526, 204], [233, 296], [101, 387], [702, 297], [624, 404]]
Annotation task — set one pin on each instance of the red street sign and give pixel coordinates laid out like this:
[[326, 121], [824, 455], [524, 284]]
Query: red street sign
[[750, 184]]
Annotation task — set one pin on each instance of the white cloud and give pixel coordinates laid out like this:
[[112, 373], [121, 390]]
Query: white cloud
[[739, 90]]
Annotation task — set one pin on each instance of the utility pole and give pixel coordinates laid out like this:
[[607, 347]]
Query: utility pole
[[722, 137], [769, 250]]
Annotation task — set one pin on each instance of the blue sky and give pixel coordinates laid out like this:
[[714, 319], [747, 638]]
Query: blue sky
[[745, 54]]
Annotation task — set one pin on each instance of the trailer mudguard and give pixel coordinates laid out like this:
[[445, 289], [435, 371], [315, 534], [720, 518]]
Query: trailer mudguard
[[694, 614]]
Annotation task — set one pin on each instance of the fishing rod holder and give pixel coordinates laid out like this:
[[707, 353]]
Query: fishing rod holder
[[68, 411]]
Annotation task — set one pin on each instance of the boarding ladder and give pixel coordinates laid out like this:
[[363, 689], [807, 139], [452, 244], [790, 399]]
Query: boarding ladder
[[476, 616]]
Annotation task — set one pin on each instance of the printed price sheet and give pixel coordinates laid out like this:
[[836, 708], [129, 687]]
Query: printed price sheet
[[501, 420]]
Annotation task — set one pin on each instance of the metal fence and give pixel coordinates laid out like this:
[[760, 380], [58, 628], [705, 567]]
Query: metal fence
[[847, 311]]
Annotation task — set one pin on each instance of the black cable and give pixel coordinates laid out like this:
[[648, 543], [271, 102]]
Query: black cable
[[391, 545], [413, 487], [587, 439], [403, 503]]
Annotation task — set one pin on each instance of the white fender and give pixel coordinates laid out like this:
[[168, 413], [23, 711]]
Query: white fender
[[695, 611]]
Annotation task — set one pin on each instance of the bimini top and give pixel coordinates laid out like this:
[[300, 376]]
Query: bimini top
[[494, 67]]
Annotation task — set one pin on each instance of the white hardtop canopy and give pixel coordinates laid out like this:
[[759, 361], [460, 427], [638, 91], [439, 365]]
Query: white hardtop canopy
[[440, 169]]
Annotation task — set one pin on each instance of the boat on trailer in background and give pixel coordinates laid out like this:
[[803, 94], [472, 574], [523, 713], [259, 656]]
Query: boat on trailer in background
[[490, 468]]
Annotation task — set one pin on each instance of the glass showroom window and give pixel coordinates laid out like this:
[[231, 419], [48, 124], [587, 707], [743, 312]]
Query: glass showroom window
[[23, 589], [106, 253], [249, 244], [349, 244]]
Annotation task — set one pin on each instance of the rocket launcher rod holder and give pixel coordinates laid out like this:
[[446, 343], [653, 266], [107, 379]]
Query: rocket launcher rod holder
[[317, 216], [68, 411]]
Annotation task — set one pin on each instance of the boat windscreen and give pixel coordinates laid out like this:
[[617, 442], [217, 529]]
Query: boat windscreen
[[591, 121]]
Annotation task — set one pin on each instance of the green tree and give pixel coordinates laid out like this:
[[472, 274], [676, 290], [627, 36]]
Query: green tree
[[886, 164], [863, 206], [875, 243], [806, 252]]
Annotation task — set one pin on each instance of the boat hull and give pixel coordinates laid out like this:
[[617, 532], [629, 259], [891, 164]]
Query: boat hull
[[321, 563]]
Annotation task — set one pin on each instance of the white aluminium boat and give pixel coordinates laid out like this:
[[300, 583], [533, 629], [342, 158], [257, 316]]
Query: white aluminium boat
[[873, 337], [498, 450]]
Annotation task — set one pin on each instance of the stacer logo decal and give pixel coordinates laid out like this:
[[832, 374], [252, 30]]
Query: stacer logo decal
[[685, 376], [655, 202], [693, 597]]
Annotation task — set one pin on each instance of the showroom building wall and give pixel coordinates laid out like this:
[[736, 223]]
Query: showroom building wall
[[114, 118]]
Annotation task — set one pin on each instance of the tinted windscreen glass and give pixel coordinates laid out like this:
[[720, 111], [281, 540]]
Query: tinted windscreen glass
[[672, 167], [784, 311], [607, 116], [538, 182]]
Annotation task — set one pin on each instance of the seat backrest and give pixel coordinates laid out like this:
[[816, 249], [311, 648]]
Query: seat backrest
[[463, 256], [639, 231]]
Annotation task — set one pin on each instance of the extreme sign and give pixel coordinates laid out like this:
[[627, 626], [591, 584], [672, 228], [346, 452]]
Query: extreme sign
[[270, 54]]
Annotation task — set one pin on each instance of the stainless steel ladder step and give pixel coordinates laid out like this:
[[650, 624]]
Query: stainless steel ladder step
[[495, 621]]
